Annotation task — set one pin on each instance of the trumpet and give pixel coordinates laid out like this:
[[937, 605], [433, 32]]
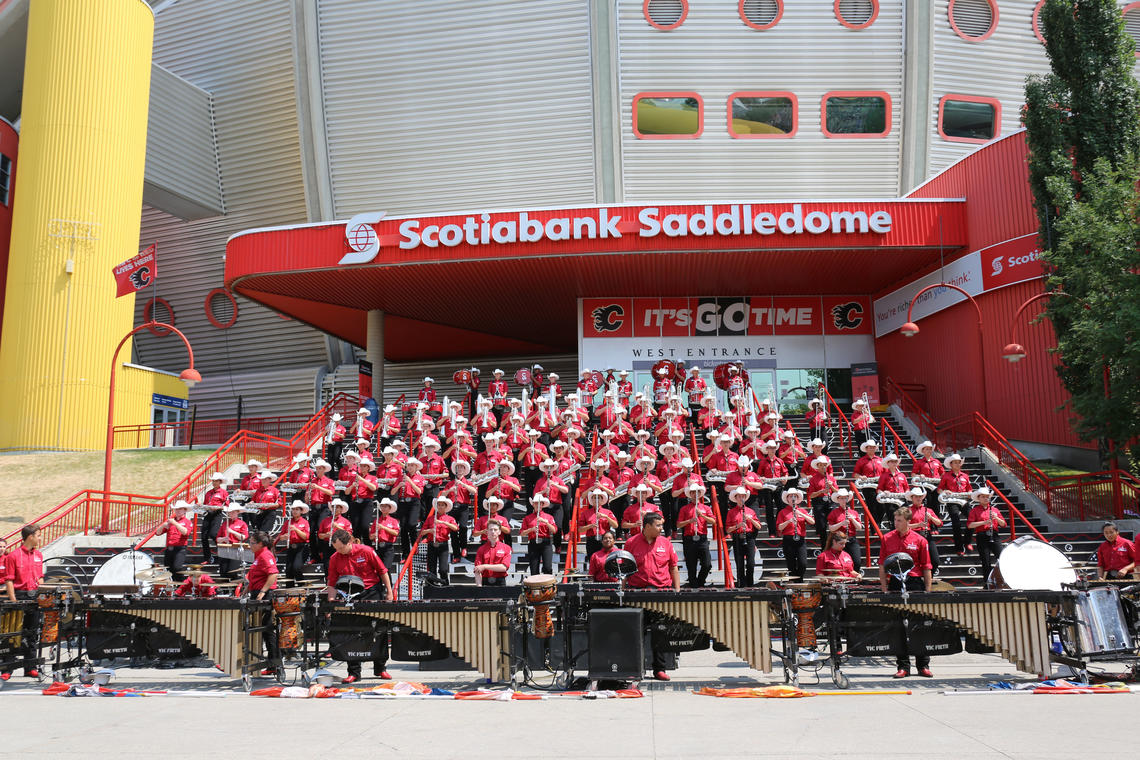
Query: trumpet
[[949, 497], [862, 483], [928, 483], [889, 497]]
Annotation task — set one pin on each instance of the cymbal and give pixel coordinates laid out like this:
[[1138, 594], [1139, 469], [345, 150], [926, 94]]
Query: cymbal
[[153, 574]]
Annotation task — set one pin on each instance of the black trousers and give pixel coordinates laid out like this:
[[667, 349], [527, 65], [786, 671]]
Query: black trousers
[[795, 555], [361, 513], [208, 531], [669, 509], [540, 552], [744, 554], [174, 558], [459, 538], [381, 662], [386, 551], [333, 453], [771, 501], [958, 522], [855, 549], [878, 511], [408, 513], [317, 514], [265, 519], [989, 547], [592, 545], [913, 583], [698, 561], [932, 547], [819, 510], [439, 560], [296, 556]]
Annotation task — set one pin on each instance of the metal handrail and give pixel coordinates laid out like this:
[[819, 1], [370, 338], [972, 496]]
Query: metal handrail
[[1015, 512]]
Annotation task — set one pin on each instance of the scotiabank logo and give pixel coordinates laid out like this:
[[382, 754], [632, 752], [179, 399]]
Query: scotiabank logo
[[363, 242], [1013, 261], [996, 266]]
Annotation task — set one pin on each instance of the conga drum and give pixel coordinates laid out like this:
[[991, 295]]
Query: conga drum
[[805, 600], [539, 592], [50, 616]]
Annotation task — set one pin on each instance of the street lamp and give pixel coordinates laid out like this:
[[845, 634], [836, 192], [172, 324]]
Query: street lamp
[[910, 329], [190, 376]]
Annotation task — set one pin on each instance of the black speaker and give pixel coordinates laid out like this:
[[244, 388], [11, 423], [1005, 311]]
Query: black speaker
[[616, 641]]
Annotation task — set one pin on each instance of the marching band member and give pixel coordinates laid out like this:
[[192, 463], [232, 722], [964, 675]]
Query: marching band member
[[595, 477], [770, 467], [177, 530], [870, 465], [408, 493], [694, 521], [537, 379], [684, 478], [266, 501], [330, 525], [751, 445], [925, 522], [361, 560], [261, 577], [769, 425], [302, 472], [484, 422], [232, 531], [386, 534], [586, 390], [388, 427], [641, 414], [434, 470], [695, 388], [334, 439], [816, 450], [401, 448], [361, 495], [347, 472], [296, 541], [984, 520], [861, 419], [463, 495], [555, 490], [736, 384], [662, 385], [552, 385], [576, 450], [656, 568], [493, 559], [835, 561], [903, 539], [24, 571], [498, 391], [213, 499], [847, 520], [363, 426], [621, 474], [634, 515], [743, 477], [953, 480], [596, 520], [505, 485], [198, 585], [643, 447], [791, 524], [708, 417], [821, 485], [439, 526], [541, 419], [742, 526], [251, 481], [816, 417], [539, 527], [1115, 557], [320, 493], [596, 561], [624, 388], [493, 505], [891, 481], [926, 466], [530, 456], [427, 393]]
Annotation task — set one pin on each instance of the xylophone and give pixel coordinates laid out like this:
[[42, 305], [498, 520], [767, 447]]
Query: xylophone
[[228, 630], [1014, 624]]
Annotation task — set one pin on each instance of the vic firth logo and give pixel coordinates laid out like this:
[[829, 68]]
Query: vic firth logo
[[363, 243], [608, 318], [847, 316]]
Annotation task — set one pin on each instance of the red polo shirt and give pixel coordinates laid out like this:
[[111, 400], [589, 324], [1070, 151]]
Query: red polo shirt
[[25, 568], [913, 544], [264, 565], [598, 566], [439, 527], [1109, 556], [545, 523], [797, 528], [655, 562], [360, 561], [499, 554], [835, 564], [175, 537]]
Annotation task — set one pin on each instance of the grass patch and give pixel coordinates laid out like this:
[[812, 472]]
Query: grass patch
[[1058, 470], [35, 483]]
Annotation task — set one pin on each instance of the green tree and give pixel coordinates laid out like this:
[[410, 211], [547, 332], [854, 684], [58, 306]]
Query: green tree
[[1083, 131]]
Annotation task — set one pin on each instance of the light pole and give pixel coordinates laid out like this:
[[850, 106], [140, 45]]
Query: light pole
[[190, 376], [910, 329]]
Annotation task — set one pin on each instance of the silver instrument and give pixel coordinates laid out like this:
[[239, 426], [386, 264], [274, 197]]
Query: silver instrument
[[716, 476], [949, 497], [241, 495], [928, 483], [889, 497], [772, 484], [862, 483], [484, 478], [803, 483], [340, 485]]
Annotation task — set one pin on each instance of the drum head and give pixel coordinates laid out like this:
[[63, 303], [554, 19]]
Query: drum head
[[538, 581], [1031, 565], [899, 563], [350, 584], [621, 564], [120, 570]]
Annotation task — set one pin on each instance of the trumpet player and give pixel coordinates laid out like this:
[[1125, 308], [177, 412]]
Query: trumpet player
[[954, 481], [845, 520], [985, 521], [861, 419], [925, 522], [771, 468]]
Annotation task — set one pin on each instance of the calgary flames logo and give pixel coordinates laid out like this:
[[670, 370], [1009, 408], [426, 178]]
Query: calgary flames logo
[[608, 318], [847, 316], [140, 278]]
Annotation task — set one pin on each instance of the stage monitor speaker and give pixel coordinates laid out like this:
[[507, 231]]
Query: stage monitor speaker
[[617, 643]]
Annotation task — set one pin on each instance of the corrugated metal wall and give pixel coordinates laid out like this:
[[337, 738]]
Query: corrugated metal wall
[[285, 391], [715, 54], [437, 108], [181, 152], [242, 54], [993, 68], [407, 378], [1023, 397]]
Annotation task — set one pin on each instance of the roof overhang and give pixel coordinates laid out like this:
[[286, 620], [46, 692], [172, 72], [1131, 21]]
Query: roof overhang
[[511, 279]]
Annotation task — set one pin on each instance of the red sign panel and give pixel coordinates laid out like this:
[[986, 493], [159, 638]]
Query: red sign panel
[[847, 315], [1013, 261], [137, 273]]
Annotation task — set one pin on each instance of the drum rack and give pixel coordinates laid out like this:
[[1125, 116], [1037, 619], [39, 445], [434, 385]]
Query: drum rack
[[1093, 616]]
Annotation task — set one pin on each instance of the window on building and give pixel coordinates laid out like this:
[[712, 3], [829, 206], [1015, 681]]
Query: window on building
[[665, 14], [760, 14], [964, 118], [668, 115], [762, 114], [1132, 24], [856, 14], [973, 20], [5, 180], [856, 114]]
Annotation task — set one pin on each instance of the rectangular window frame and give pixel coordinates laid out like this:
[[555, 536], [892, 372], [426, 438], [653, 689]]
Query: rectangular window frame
[[669, 94], [888, 126], [764, 94], [969, 99]]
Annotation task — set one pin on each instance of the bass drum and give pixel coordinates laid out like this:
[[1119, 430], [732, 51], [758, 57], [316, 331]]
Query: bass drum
[[523, 377], [1027, 564]]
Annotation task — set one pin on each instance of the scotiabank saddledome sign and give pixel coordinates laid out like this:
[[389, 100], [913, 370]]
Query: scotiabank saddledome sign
[[627, 228]]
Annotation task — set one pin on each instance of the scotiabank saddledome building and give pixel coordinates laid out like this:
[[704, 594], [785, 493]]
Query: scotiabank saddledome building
[[593, 184]]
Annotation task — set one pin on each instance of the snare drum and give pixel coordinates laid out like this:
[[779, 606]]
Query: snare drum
[[805, 600]]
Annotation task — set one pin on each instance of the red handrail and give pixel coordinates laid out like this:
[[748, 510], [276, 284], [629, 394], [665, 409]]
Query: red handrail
[[571, 562], [1014, 512], [407, 565], [884, 426], [723, 562], [868, 523], [844, 428]]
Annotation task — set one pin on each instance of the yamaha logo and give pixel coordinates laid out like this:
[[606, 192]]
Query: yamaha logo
[[363, 243]]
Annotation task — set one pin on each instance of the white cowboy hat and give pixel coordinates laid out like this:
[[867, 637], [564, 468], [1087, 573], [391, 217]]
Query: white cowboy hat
[[413, 461], [254, 463], [743, 462], [389, 408], [916, 491], [539, 499], [546, 464], [892, 457], [496, 371], [298, 504], [952, 458], [687, 463], [322, 463], [361, 442], [217, 476], [443, 500], [623, 372], [365, 462], [739, 491], [815, 442], [820, 460], [842, 493], [466, 465], [302, 457], [338, 503], [508, 464], [694, 487], [596, 493], [336, 417], [362, 411], [233, 506], [815, 402], [784, 496], [924, 445], [180, 504], [493, 500], [429, 379], [983, 491], [352, 455], [870, 442], [388, 502]]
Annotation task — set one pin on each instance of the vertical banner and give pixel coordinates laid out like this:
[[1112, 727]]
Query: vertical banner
[[865, 379], [364, 376]]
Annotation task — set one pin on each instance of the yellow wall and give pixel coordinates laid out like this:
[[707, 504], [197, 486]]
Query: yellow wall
[[134, 389], [82, 150]]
